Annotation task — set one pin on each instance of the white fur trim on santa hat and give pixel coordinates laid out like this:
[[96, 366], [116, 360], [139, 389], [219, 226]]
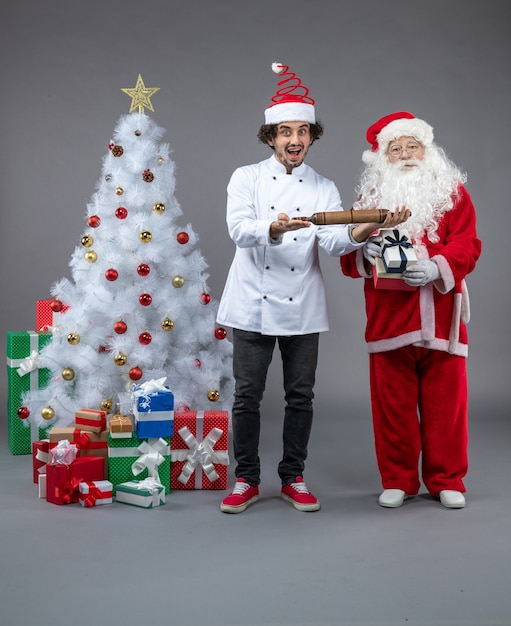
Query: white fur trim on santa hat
[[402, 127], [290, 112]]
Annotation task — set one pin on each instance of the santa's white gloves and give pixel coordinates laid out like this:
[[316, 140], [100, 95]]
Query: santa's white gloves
[[372, 248], [422, 273]]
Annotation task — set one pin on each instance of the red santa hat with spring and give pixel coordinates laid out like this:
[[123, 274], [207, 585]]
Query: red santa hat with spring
[[292, 102], [393, 126]]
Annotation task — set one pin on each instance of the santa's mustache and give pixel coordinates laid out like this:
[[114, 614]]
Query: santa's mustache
[[399, 166]]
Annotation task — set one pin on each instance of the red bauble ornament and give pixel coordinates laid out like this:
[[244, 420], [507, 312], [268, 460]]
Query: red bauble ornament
[[145, 338], [145, 299], [23, 412], [197, 363], [94, 221], [56, 306], [111, 274], [220, 333], [143, 269], [135, 373], [121, 213], [206, 298], [120, 327], [183, 237]]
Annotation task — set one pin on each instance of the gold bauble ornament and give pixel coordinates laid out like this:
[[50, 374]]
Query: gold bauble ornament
[[167, 324], [87, 241], [120, 359], [119, 191], [73, 339], [91, 256], [213, 395], [145, 236], [178, 281], [158, 207], [47, 413], [68, 373], [106, 405]]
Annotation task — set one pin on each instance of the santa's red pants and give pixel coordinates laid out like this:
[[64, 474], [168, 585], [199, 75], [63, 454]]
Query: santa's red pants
[[419, 404]]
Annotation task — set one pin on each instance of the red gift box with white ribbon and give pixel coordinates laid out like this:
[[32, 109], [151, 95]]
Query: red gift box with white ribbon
[[199, 455]]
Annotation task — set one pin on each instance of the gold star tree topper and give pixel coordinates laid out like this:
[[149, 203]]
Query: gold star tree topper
[[141, 96]]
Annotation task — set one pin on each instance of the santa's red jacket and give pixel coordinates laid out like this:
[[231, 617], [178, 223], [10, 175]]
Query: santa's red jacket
[[433, 316]]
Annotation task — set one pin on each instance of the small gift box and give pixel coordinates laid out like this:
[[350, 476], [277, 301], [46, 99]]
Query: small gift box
[[385, 280], [136, 458], [153, 407], [40, 457], [91, 420], [398, 252], [24, 374], [148, 493], [199, 450], [63, 453], [88, 444], [121, 426], [62, 481], [45, 316], [95, 493]]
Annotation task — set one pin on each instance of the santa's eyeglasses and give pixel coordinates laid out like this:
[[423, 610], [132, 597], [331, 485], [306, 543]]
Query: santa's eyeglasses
[[396, 150]]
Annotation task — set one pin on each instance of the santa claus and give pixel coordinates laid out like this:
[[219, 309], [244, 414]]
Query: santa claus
[[417, 339]]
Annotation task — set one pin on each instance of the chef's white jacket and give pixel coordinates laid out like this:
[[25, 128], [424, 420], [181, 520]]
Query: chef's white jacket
[[275, 287]]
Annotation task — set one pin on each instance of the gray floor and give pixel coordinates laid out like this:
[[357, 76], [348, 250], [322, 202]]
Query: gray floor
[[352, 563]]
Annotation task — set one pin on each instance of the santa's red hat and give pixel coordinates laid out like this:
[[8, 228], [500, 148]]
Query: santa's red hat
[[393, 126], [292, 102]]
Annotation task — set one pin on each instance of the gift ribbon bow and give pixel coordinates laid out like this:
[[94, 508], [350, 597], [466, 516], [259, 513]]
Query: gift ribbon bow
[[201, 454], [81, 439], [401, 241], [29, 364], [145, 390], [153, 485], [95, 493], [69, 492], [150, 458]]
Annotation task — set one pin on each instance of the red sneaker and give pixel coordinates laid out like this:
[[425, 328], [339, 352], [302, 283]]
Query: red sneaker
[[299, 496], [242, 495]]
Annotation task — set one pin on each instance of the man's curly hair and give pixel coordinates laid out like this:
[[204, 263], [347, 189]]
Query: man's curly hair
[[269, 131]]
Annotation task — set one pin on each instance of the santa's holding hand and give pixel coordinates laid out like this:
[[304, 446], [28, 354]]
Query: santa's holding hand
[[417, 338]]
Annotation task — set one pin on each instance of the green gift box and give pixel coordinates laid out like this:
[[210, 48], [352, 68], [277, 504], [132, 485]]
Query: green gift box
[[23, 374], [137, 459], [144, 493]]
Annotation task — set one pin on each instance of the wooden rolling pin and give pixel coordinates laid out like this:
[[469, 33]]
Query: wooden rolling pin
[[347, 217]]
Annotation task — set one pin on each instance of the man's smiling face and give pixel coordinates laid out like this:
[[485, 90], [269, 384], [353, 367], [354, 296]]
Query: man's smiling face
[[291, 143]]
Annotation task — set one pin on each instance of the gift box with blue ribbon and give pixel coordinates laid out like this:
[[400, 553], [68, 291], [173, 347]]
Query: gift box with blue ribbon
[[398, 252]]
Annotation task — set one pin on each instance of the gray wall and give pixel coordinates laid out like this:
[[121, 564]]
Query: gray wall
[[64, 64]]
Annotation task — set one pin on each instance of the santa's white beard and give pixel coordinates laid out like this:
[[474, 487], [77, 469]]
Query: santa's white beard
[[426, 189]]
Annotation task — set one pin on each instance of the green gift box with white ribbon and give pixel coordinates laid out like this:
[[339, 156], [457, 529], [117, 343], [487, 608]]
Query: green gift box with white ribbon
[[138, 459], [146, 493], [24, 374]]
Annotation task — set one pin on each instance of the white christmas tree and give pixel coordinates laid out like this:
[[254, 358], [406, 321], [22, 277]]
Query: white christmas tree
[[139, 307]]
